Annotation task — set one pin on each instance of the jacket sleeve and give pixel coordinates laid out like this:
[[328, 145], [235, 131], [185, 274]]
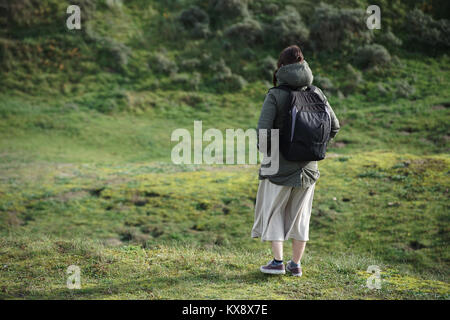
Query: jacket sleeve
[[334, 120], [267, 116]]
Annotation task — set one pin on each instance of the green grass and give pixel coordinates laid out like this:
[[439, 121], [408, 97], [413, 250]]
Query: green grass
[[39, 130], [188, 272], [380, 209]]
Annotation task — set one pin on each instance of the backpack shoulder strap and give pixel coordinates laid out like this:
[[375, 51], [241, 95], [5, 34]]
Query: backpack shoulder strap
[[319, 92]]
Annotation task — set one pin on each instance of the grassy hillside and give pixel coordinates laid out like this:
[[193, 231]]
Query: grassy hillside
[[86, 177]]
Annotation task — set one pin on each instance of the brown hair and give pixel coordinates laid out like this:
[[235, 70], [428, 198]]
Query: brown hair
[[289, 55]]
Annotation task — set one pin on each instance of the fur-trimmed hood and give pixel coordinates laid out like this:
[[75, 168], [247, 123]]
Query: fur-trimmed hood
[[295, 75]]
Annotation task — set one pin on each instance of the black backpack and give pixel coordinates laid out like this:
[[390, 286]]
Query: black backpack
[[306, 125]]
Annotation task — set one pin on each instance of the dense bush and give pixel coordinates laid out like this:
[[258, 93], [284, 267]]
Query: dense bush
[[395, 60], [325, 84], [114, 4], [8, 53], [232, 82], [54, 11], [224, 79], [381, 89], [249, 53], [27, 13], [371, 56], [267, 66], [116, 53], [229, 8], [248, 31], [424, 30], [161, 63], [193, 16], [190, 64], [378, 91], [353, 79], [339, 28], [188, 81], [220, 69], [196, 21], [270, 9], [389, 40], [200, 31], [404, 89], [288, 28], [5, 54], [111, 53]]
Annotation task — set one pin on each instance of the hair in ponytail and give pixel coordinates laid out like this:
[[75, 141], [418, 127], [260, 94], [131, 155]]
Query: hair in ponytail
[[289, 55]]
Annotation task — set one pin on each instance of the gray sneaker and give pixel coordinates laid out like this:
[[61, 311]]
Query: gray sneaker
[[273, 268], [295, 271]]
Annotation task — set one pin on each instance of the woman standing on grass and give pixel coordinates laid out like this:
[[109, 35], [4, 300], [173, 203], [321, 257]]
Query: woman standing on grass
[[284, 200]]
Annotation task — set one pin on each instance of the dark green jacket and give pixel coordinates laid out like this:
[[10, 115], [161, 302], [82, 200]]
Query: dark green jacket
[[291, 173]]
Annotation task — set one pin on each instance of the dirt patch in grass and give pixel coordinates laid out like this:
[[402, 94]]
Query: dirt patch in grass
[[13, 220], [71, 195], [338, 144], [113, 242], [441, 106], [331, 155]]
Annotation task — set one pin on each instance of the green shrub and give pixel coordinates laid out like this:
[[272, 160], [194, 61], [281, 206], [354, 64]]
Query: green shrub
[[381, 89], [267, 66], [193, 100], [404, 89], [231, 82], [248, 31], [220, 69], [288, 28], [389, 40], [323, 83], [111, 53], [190, 64], [114, 53], [338, 28], [224, 79], [353, 79], [193, 16], [87, 7], [326, 85], [372, 55], [200, 31], [7, 48], [114, 4], [161, 63], [424, 30], [229, 8], [188, 81], [29, 13], [270, 9], [248, 53], [397, 62], [196, 21]]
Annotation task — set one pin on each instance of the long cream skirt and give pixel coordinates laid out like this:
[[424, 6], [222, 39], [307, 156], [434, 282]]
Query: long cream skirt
[[282, 212]]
